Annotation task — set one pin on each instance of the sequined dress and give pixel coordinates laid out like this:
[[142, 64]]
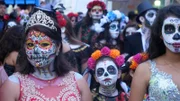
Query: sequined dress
[[161, 86], [59, 89]]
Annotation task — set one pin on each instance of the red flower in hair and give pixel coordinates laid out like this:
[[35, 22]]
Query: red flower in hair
[[61, 20], [71, 14], [18, 19], [96, 3], [6, 17]]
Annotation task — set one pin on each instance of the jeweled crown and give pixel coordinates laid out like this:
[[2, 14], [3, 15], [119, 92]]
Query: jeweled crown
[[40, 18]]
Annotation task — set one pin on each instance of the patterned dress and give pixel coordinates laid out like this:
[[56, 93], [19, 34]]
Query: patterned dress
[[161, 86], [58, 89]]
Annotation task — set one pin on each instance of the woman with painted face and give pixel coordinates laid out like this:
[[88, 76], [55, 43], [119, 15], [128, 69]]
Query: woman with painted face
[[44, 75], [86, 32], [109, 29], [105, 65], [160, 74]]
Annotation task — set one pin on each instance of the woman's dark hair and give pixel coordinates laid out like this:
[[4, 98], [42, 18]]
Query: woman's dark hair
[[12, 40], [70, 33], [130, 25], [95, 84], [61, 67], [106, 35], [156, 45]]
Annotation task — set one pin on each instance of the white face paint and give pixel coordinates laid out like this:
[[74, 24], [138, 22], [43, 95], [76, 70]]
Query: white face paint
[[106, 72], [114, 29], [96, 12], [171, 33], [11, 24], [122, 26], [150, 16], [40, 49]]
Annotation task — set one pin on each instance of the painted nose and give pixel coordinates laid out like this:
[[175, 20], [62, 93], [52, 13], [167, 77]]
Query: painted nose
[[106, 74], [36, 50], [176, 36], [97, 12]]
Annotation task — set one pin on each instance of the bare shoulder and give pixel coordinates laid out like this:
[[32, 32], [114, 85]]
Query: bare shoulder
[[143, 70], [10, 90]]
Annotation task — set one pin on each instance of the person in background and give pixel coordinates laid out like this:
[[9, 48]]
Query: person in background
[[80, 16], [160, 75], [10, 45], [43, 67], [3, 16], [129, 30], [73, 18], [139, 42], [86, 32], [132, 17]]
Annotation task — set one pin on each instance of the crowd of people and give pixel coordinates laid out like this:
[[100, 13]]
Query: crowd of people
[[47, 55]]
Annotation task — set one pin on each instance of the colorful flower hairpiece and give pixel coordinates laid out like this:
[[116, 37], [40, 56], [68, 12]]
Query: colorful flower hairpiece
[[61, 20], [137, 59], [105, 51], [96, 3]]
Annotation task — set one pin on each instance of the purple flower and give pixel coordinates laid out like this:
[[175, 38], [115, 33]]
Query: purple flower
[[119, 60]]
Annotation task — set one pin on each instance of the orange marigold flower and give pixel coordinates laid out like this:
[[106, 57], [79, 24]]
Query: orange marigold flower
[[114, 53], [133, 65], [144, 56], [97, 54]]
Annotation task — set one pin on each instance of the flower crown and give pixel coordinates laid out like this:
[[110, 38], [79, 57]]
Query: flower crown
[[96, 3], [105, 51], [71, 14], [110, 17], [137, 59]]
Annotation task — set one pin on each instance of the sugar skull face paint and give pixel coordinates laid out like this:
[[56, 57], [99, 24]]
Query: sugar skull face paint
[[171, 33], [40, 49], [106, 72], [150, 16], [96, 12], [114, 29]]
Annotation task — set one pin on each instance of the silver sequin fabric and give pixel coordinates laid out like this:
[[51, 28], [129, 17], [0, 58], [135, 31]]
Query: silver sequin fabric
[[161, 86]]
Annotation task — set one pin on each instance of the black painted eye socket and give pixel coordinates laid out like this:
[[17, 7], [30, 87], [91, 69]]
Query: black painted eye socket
[[111, 70], [100, 72], [150, 14], [169, 29]]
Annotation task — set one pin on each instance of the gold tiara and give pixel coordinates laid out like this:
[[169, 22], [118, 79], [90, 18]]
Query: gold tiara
[[40, 18]]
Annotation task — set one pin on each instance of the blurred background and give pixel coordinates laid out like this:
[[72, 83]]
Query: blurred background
[[80, 5]]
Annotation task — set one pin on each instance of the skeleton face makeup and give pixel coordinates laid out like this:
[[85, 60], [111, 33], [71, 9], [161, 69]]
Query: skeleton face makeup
[[150, 16], [96, 12], [106, 72], [114, 29], [122, 26], [40, 49], [171, 33]]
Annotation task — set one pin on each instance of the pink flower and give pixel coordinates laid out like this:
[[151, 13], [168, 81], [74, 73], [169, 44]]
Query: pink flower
[[119, 60], [137, 58], [91, 63], [105, 51]]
